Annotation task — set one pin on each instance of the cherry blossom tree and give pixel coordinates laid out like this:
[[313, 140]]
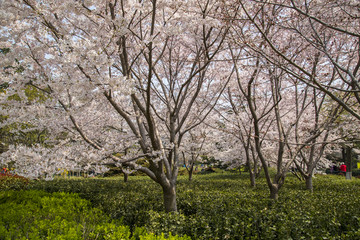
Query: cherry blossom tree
[[19, 133], [238, 132], [287, 43], [119, 75], [195, 145], [259, 86], [132, 82], [314, 131], [324, 31]]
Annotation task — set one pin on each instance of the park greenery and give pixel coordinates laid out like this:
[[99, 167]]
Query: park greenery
[[151, 85], [220, 205], [154, 89], [35, 214]]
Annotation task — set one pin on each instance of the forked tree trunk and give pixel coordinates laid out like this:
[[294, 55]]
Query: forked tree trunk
[[190, 174], [274, 192], [170, 198]]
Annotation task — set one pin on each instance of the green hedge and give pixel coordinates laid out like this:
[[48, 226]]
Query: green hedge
[[224, 206], [10, 181], [40, 215], [356, 172]]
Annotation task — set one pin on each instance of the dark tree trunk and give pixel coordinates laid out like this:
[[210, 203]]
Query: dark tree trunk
[[170, 198], [309, 182], [190, 174], [252, 178], [126, 177], [274, 192]]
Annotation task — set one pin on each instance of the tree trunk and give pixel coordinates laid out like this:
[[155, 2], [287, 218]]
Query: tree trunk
[[252, 178], [126, 177], [309, 182], [170, 198], [274, 192], [190, 174]]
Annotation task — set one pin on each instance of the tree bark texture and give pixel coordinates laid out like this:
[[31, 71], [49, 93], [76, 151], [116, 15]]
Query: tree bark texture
[[309, 182], [169, 194], [274, 192]]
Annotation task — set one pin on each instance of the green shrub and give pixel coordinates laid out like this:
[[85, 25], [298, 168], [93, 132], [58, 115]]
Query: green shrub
[[223, 206], [356, 173], [12, 181], [36, 214], [40, 215], [128, 202]]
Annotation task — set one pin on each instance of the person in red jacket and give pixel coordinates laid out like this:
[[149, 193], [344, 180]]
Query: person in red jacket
[[343, 168]]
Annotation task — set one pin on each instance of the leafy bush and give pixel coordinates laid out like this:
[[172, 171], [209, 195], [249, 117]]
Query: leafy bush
[[356, 173], [223, 206], [10, 181], [40, 215], [128, 202]]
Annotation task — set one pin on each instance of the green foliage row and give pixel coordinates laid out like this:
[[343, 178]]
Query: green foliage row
[[223, 206], [12, 182], [39, 215]]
